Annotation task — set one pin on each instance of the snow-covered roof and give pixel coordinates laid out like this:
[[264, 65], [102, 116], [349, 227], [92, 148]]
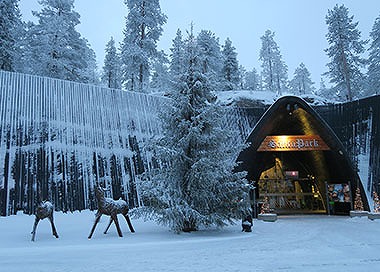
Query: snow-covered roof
[[249, 98]]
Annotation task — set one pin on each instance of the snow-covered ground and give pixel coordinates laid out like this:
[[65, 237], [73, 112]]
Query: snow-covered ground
[[293, 243]]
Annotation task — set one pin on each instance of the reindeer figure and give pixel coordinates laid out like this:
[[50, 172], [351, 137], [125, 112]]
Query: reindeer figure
[[44, 210], [112, 208]]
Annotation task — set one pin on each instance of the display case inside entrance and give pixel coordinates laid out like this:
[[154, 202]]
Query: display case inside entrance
[[292, 195], [339, 199]]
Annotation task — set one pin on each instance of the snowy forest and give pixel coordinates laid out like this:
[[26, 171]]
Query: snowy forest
[[53, 47], [147, 124]]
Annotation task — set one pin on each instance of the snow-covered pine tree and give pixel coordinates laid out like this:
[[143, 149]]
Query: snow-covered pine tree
[[55, 47], [90, 72], [142, 31], [111, 69], [160, 77], [11, 31], [176, 66], [373, 72], [274, 73], [252, 80], [324, 91], [241, 73], [195, 186], [230, 68], [345, 52], [210, 58], [301, 82]]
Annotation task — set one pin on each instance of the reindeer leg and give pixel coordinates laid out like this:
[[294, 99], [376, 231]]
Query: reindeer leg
[[114, 217], [54, 231], [109, 224], [129, 222], [34, 228], [96, 222]]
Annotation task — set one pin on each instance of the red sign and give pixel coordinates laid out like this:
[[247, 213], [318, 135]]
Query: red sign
[[293, 143], [291, 174]]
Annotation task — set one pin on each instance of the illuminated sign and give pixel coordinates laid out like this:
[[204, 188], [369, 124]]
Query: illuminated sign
[[293, 143], [291, 174]]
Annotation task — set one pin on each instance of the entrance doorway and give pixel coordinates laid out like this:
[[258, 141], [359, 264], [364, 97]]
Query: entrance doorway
[[290, 191], [292, 196]]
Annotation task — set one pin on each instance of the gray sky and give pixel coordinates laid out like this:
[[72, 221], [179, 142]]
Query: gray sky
[[299, 25]]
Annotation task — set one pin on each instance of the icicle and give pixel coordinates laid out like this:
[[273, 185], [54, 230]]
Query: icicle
[[69, 120]]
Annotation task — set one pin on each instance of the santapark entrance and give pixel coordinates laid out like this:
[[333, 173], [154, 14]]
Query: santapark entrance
[[297, 162]]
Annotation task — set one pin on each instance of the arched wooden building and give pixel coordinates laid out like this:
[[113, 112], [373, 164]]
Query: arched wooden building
[[296, 160]]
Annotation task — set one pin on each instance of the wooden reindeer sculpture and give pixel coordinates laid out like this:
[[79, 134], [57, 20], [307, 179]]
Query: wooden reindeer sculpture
[[110, 207], [44, 210]]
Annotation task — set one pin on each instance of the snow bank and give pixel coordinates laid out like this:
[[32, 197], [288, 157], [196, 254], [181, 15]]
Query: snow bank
[[292, 243]]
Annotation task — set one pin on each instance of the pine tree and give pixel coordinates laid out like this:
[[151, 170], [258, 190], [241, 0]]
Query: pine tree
[[142, 30], [252, 80], [89, 74], [230, 69], [301, 82], [376, 203], [274, 71], [55, 48], [177, 58], [358, 204], [196, 186], [374, 60], [265, 208], [11, 29], [345, 52], [210, 57], [160, 78], [322, 87], [111, 69], [324, 91], [241, 74]]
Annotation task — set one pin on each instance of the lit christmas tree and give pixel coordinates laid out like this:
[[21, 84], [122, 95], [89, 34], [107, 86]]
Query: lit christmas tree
[[358, 204], [265, 207], [376, 203]]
